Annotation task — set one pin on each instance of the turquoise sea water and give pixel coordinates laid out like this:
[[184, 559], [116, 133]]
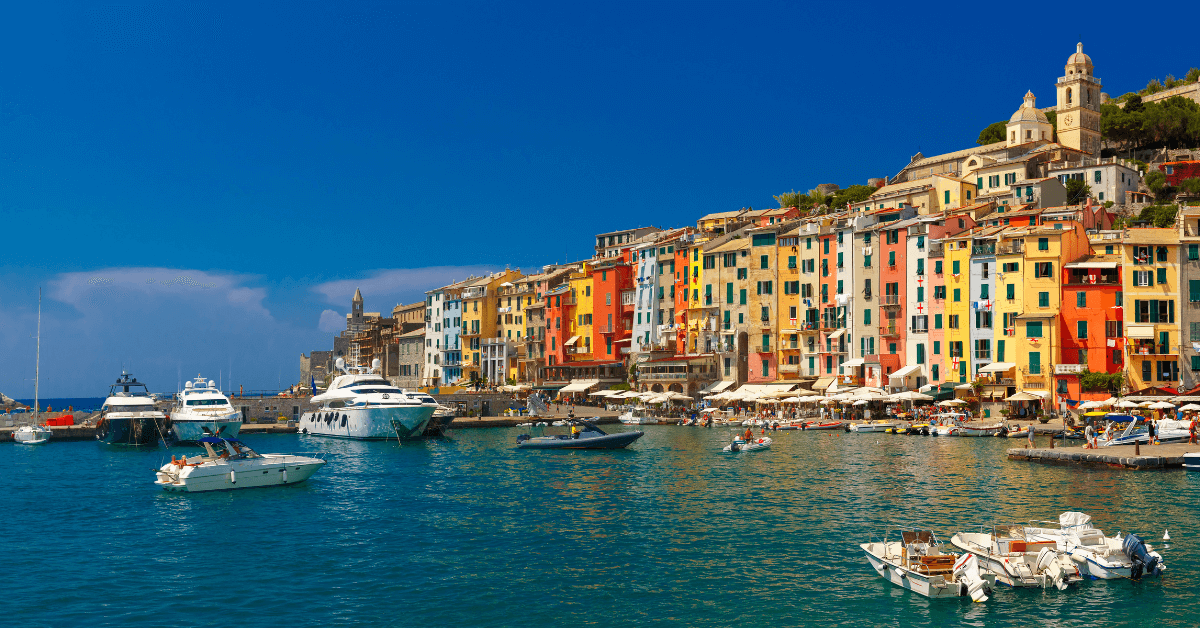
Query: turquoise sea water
[[469, 531]]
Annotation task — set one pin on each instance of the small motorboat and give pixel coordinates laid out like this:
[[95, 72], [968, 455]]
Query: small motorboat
[[228, 463], [873, 426], [1191, 461], [917, 562], [919, 429], [827, 425], [32, 435], [1098, 556], [974, 429], [755, 444], [584, 435], [637, 416], [1018, 432], [1016, 560]]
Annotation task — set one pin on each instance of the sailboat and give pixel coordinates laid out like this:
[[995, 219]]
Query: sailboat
[[35, 434]]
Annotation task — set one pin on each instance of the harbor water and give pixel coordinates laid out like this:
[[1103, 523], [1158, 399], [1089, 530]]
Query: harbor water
[[469, 531]]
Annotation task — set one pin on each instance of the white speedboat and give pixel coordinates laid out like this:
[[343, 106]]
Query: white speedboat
[[32, 435], [637, 416], [1191, 461], [975, 429], [1167, 431], [946, 423], [1016, 560], [755, 444], [917, 562], [361, 404], [228, 464], [1095, 555], [873, 426], [201, 410]]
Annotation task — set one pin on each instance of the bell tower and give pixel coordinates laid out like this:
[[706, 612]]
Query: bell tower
[[1078, 107], [356, 307]]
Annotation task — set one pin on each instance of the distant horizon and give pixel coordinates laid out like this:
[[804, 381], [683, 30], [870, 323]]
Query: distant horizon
[[196, 188]]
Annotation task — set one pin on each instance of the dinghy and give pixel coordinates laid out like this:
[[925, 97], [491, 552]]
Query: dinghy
[[755, 444], [917, 562]]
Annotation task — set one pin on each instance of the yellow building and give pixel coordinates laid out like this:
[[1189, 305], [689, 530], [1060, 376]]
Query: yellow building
[[956, 317], [479, 318], [1150, 282], [791, 345], [579, 340]]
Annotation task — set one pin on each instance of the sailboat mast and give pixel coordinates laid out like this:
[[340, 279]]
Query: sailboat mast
[[37, 368]]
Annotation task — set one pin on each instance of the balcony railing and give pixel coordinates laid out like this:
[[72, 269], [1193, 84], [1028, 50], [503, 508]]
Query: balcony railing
[[891, 299], [1069, 369], [889, 330], [983, 249], [918, 330], [1012, 248], [1150, 349], [983, 354], [605, 329], [789, 368], [763, 349]]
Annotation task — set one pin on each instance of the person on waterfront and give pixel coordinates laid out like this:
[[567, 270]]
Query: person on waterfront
[[749, 436], [1030, 436], [1192, 431], [1151, 431], [1089, 437]]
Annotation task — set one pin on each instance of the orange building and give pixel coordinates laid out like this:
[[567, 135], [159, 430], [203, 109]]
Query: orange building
[[1091, 321]]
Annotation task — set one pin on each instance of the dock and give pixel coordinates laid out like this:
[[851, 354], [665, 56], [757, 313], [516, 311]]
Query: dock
[[1169, 456]]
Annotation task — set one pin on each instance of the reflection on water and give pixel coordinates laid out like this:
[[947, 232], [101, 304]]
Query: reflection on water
[[470, 530]]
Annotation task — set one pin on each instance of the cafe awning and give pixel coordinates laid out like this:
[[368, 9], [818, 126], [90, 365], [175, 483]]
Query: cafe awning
[[571, 341], [837, 334], [822, 384], [716, 387], [853, 363], [579, 385], [911, 369], [997, 367], [1091, 265], [1139, 331]]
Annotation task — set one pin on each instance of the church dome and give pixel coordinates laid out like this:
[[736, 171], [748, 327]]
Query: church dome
[[1079, 58], [1029, 111]]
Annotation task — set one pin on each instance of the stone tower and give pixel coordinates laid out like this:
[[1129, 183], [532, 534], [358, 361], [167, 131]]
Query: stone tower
[[1079, 105], [356, 308], [1028, 124]]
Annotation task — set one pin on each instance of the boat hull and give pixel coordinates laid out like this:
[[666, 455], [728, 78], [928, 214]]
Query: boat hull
[[438, 424], [1191, 462], [377, 423], [129, 430], [188, 431], [871, 427], [35, 436]]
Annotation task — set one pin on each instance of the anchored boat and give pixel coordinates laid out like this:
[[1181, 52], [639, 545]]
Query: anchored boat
[[201, 410], [917, 562], [129, 415], [1098, 556], [361, 404], [1017, 561], [584, 435]]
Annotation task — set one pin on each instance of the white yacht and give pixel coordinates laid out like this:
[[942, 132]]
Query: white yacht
[[33, 434], [637, 416], [201, 410], [228, 464], [361, 404]]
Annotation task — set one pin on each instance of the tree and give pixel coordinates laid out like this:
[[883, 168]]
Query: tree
[[1152, 87], [1190, 185], [817, 197], [1192, 76], [1162, 216], [1157, 182], [793, 199], [852, 194], [992, 134], [1077, 191]]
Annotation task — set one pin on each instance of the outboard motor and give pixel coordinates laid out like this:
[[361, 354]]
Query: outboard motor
[[1047, 565], [1144, 561], [966, 571], [522, 438]]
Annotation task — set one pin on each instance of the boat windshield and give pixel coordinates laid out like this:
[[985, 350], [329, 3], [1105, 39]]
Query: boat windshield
[[206, 402], [242, 450], [1008, 530], [137, 408], [367, 391]]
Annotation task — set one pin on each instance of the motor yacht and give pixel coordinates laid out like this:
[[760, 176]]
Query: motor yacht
[[228, 463], [1096, 555], [637, 416], [129, 415], [917, 561], [201, 410], [1017, 561], [361, 404]]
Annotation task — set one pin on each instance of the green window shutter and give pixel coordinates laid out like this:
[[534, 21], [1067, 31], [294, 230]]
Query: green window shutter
[[937, 266], [1035, 363], [729, 292], [920, 294], [826, 245], [957, 295], [979, 182], [983, 291], [840, 260], [867, 316], [956, 267], [920, 353], [1081, 329], [1011, 290], [937, 347], [1196, 363], [1193, 290], [947, 196], [1033, 329], [866, 261], [1193, 252], [999, 350], [1162, 276], [937, 321], [839, 286], [1043, 299], [1080, 299], [891, 258], [921, 266]]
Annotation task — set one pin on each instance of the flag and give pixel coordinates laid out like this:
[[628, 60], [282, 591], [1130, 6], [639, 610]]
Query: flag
[[313, 382]]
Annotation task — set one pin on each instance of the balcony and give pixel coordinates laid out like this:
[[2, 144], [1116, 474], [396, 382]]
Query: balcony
[[1093, 280], [918, 330], [983, 354], [763, 349], [1151, 349], [983, 249], [606, 329], [890, 300], [789, 368], [889, 330], [1069, 369], [1011, 248]]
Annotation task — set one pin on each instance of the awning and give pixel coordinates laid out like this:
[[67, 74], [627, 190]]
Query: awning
[[997, 367], [1139, 331], [716, 387], [1023, 396], [579, 385], [837, 334], [822, 384], [571, 341], [1038, 393], [853, 363], [905, 372], [1091, 265]]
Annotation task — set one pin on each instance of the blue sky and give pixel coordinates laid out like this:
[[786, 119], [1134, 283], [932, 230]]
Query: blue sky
[[195, 185]]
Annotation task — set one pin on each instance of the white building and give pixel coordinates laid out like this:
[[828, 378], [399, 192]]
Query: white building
[[1109, 179]]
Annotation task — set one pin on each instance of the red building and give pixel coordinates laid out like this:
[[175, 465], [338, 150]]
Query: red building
[[681, 297], [831, 340], [612, 306], [893, 293], [1091, 324], [1177, 171], [560, 307]]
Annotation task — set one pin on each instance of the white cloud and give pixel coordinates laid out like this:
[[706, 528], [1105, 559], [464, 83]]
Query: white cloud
[[93, 290], [331, 322], [396, 284]]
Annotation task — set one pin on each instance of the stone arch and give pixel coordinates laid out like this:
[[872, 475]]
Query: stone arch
[[675, 388], [1068, 95], [656, 388]]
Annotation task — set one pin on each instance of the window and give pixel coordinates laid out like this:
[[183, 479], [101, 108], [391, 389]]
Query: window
[[1033, 329], [742, 297], [1010, 291], [742, 273], [952, 321], [839, 261], [1162, 276], [947, 197], [766, 368], [957, 294], [937, 347], [791, 261], [921, 266], [867, 316], [1081, 328], [1143, 278], [1043, 269], [892, 259], [1043, 299], [999, 350], [955, 267], [1080, 299], [1146, 370], [920, 294], [939, 293], [866, 261], [933, 371], [1162, 254], [921, 353], [763, 261], [937, 267], [1193, 252], [937, 323], [983, 291], [1119, 297], [1035, 363], [1043, 244]]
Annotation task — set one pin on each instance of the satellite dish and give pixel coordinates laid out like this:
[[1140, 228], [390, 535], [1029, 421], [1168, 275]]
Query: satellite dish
[[340, 365], [375, 364], [188, 385]]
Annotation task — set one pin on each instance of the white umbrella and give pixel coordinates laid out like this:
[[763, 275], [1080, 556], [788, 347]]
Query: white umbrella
[[952, 402], [1088, 405], [678, 395], [1189, 408], [1108, 402], [909, 395], [1125, 403], [1161, 405], [828, 402], [797, 400], [860, 402]]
